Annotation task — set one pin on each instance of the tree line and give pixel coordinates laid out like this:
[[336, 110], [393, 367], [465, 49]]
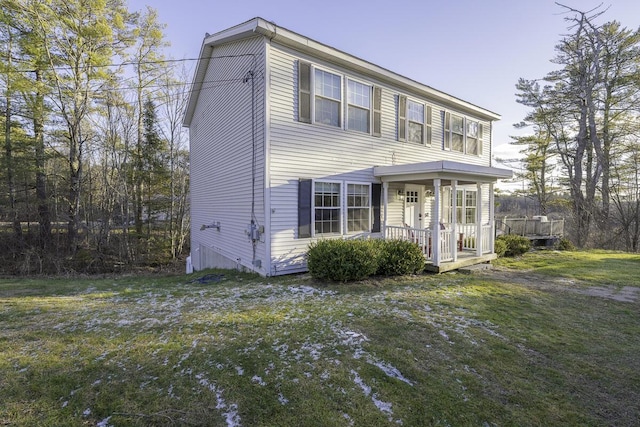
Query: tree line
[[583, 151], [94, 172]]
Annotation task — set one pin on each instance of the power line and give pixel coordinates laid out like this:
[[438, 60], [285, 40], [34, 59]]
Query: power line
[[125, 63]]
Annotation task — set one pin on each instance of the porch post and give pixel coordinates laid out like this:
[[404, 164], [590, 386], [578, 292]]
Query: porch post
[[385, 198], [492, 221], [454, 219], [435, 226], [479, 219]]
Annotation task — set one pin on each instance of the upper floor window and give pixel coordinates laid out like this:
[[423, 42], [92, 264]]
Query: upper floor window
[[414, 121], [359, 106], [328, 97], [320, 100], [473, 137], [462, 134]]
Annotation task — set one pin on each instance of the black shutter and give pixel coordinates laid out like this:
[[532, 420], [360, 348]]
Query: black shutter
[[304, 92], [429, 124], [402, 118], [446, 118], [376, 190], [377, 111], [304, 208]]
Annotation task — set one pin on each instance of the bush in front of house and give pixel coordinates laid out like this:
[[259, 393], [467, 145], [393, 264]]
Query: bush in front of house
[[500, 247], [342, 260], [348, 260], [515, 245], [399, 257]]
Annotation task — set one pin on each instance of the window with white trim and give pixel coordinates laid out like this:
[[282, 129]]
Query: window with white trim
[[327, 208], [457, 133], [328, 98], [462, 134], [465, 206], [473, 135], [358, 208], [358, 106], [415, 122]]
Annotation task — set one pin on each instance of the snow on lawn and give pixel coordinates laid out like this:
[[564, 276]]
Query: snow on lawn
[[274, 316]]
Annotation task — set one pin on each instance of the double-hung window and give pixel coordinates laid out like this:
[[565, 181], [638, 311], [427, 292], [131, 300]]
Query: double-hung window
[[328, 98], [462, 134], [358, 208], [465, 206], [327, 207], [473, 137], [470, 198], [359, 106], [414, 121], [334, 208]]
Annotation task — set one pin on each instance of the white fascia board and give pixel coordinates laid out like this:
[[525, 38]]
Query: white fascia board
[[313, 48], [440, 169]]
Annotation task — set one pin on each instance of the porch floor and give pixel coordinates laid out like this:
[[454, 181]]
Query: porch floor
[[465, 258]]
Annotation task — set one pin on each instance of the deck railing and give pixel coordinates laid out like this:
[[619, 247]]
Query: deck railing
[[465, 238]]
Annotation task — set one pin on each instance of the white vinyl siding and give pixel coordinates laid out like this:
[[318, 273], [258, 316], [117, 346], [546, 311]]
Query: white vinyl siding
[[221, 157], [325, 153]]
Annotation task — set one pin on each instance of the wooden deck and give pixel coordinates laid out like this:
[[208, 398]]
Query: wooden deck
[[465, 259]]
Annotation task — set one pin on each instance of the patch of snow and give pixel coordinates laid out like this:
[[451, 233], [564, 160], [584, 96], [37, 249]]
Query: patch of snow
[[283, 400], [392, 371], [65, 403], [258, 380], [104, 423], [356, 379], [348, 418], [239, 370], [87, 412]]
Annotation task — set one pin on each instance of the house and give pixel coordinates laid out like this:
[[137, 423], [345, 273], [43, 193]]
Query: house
[[293, 141]]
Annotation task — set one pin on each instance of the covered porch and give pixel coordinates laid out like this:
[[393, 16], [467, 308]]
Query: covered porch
[[446, 207]]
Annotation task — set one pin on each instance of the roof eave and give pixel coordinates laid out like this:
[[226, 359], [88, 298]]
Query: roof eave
[[440, 169]]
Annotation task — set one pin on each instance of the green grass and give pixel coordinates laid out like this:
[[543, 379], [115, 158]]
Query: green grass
[[422, 350], [592, 267]]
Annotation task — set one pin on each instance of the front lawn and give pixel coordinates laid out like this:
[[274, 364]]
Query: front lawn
[[453, 350]]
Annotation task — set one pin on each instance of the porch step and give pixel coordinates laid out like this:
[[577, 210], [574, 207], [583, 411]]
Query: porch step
[[462, 262], [471, 269]]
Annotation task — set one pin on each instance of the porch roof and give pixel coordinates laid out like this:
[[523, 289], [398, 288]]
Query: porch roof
[[442, 169]]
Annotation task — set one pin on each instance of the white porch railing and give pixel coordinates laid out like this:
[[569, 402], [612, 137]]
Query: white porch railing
[[421, 236], [464, 239]]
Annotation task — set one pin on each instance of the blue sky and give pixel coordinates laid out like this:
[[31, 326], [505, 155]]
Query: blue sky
[[475, 50]]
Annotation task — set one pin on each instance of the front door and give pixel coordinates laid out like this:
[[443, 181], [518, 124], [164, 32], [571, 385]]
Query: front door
[[413, 206]]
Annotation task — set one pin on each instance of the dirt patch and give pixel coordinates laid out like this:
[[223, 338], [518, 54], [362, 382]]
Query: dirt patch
[[537, 281]]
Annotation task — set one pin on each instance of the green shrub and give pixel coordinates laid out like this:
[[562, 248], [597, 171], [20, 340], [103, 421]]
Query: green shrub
[[399, 257], [500, 247], [342, 260], [565, 244], [515, 245]]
